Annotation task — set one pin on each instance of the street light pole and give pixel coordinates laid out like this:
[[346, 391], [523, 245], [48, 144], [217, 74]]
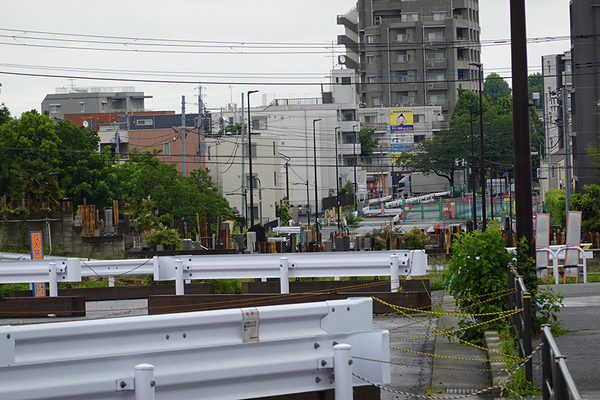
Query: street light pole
[[250, 161], [337, 182], [316, 186], [483, 213], [355, 162], [470, 107]]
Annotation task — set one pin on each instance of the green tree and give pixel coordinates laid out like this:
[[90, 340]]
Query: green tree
[[367, 142], [536, 85], [589, 204], [31, 137], [4, 114], [35, 181], [555, 204], [495, 88]]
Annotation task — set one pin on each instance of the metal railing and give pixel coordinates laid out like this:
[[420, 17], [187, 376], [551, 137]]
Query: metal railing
[[394, 263], [520, 323], [557, 382], [219, 354]]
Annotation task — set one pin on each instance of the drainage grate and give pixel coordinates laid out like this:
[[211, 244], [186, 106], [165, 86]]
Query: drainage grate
[[461, 391]]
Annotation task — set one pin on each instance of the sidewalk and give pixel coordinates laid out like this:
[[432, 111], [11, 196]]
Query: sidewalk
[[458, 369]]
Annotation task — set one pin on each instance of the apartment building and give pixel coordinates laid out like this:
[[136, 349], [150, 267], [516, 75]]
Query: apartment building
[[412, 53], [585, 52]]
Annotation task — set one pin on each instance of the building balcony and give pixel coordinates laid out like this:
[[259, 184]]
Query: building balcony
[[348, 148], [343, 20], [436, 64], [438, 85]]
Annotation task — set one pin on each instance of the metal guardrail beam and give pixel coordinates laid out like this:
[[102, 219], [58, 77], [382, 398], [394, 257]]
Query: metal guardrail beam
[[222, 354], [392, 263]]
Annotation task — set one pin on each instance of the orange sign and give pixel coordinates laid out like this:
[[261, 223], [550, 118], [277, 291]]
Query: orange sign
[[37, 253]]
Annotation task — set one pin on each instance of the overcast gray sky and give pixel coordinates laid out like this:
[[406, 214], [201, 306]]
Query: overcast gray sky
[[230, 45]]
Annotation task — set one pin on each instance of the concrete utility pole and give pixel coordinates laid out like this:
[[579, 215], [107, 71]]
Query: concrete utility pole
[[183, 133], [243, 166], [567, 139], [521, 135], [201, 144]]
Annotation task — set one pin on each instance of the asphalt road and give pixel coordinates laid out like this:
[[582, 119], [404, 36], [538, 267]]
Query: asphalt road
[[581, 318]]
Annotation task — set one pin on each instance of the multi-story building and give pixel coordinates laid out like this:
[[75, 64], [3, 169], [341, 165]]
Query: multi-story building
[[81, 100], [557, 85], [306, 136], [585, 52], [412, 53]]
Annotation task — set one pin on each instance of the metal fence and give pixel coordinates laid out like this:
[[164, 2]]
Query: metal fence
[[520, 322], [557, 381]]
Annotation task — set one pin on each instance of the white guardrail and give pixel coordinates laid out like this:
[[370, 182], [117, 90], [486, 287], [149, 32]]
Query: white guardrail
[[392, 263], [220, 354]]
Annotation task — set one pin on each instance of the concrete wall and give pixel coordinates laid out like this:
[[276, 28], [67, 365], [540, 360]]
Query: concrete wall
[[61, 234]]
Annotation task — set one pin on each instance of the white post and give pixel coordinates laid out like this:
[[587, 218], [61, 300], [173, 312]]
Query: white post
[[394, 273], [111, 281], [584, 266], [284, 275], [179, 284], [555, 265], [342, 370], [144, 382], [53, 280]]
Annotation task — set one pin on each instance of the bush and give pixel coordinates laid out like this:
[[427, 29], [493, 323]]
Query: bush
[[415, 239], [478, 268], [555, 204]]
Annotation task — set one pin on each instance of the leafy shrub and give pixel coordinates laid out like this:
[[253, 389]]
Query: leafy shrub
[[415, 239], [478, 268], [555, 204]]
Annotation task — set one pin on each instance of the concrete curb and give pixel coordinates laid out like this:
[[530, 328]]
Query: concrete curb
[[491, 341]]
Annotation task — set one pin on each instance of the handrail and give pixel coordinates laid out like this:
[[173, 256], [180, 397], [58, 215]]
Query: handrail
[[557, 381], [520, 298]]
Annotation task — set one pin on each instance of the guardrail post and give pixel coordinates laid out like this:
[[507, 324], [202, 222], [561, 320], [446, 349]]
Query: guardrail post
[[144, 382], [546, 366], [53, 280], [179, 284], [394, 273], [527, 336], [342, 369], [284, 280]]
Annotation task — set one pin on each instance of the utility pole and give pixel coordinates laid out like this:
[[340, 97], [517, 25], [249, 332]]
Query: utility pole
[[244, 200], [521, 134], [201, 143], [567, 139], [183, 134]]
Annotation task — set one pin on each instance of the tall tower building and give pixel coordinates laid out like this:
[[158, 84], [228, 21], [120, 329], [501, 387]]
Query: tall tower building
[[412, 53]]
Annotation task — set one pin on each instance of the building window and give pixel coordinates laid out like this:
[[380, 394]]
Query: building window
[[54, 108], [409, 17], [403, 58], [350, 161], [253, 150], [346, 80], [274, 178], [439, 15], [370, 119], [144, 122], [377, 101], [348, 115], [402, 37], [81, 107], [369, 39], [259, 123], [254, 182], [371, 79], [104, 105], [435, 56], [166, 148], [435, 36], [370, 59]]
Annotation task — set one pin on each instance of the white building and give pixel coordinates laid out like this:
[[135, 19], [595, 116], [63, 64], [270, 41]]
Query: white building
[[295, 143]]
